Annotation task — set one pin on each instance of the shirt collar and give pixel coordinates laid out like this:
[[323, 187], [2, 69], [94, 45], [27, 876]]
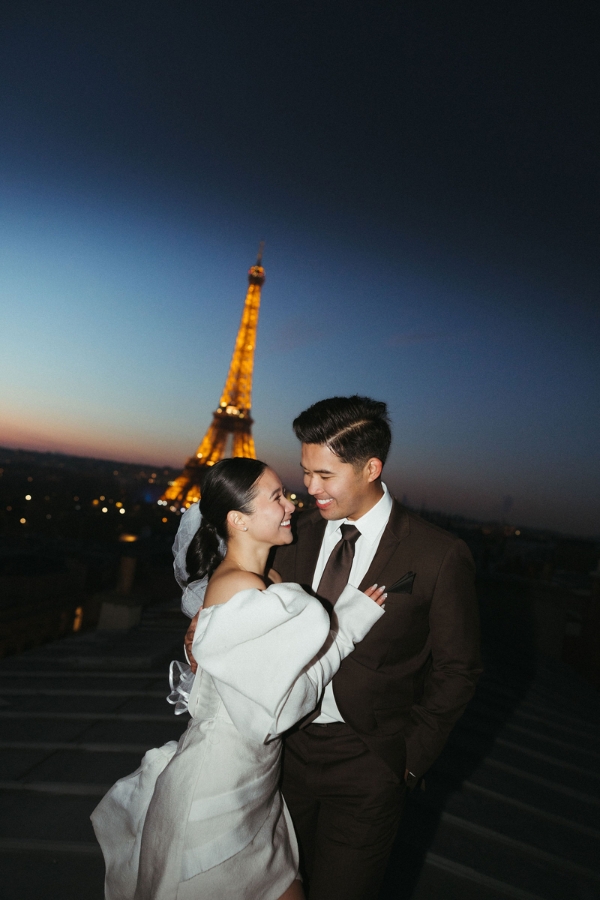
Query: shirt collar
[[373, 522]]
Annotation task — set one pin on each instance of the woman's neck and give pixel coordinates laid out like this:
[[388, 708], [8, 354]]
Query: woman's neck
[[247, 557]]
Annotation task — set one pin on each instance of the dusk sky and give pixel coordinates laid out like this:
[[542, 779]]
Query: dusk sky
[[425, 177]]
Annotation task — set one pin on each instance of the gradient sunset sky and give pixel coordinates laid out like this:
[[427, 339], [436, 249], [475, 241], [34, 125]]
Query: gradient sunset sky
[[425, 177]]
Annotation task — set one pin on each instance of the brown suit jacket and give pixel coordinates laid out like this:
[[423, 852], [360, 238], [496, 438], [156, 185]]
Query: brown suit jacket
[[406, 684]]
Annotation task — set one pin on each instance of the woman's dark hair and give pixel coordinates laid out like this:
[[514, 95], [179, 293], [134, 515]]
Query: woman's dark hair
[[229, 484], [354, 428]]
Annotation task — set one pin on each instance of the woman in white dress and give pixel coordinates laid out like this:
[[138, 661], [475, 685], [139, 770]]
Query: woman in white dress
[[204, 818]]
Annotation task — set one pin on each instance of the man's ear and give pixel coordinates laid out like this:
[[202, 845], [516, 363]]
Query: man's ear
[[373, 469], [235, 520]]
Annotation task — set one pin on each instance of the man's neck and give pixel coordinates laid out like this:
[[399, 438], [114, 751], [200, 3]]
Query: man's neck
[[371, 499]]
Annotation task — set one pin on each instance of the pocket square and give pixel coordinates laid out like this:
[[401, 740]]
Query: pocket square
[[404, 585]]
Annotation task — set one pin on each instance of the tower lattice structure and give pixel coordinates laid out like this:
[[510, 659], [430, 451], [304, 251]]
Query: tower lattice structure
[[232, 422]]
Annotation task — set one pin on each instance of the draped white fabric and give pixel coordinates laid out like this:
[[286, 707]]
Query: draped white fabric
[[206, 818]]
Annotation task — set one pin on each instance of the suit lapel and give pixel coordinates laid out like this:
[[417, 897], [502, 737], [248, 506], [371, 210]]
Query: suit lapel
[[396, 529], [307, 554]]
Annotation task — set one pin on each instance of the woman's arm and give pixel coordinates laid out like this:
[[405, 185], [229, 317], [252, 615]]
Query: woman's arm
[[353, 617], [272, 652]]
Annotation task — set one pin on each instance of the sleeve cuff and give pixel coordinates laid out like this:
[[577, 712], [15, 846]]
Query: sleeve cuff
[[354, 614]]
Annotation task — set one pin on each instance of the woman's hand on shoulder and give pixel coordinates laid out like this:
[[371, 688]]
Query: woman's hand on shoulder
[[377, 594], [224, 587]]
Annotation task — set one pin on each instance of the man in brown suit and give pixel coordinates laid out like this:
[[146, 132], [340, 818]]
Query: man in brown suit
[[390, 708]]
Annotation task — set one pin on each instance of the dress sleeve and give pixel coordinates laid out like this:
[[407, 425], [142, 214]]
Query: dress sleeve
[[271, 653]]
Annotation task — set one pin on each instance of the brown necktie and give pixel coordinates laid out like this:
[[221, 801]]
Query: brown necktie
[[333, 581], [337, 570]]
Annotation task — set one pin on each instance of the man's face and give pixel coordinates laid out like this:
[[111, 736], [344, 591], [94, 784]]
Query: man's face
[[341, 490]]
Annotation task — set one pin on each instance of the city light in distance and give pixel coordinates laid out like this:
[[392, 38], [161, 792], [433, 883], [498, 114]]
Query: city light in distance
[[104, 509], [28, 496], [122, 511], [22, 521]]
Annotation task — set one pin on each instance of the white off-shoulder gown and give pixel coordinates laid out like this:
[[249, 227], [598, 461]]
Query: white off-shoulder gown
[[204, 818]]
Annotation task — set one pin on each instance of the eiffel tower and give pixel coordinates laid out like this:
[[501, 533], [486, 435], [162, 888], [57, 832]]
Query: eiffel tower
[[232, 417]]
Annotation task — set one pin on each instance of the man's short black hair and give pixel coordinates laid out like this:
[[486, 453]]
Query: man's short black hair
[[354, 428]]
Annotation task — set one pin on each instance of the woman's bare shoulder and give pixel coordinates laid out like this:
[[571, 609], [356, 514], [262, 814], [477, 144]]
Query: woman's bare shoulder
[[223, 586]]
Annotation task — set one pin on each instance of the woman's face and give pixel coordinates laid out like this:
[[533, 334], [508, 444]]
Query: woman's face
[[270, 521]]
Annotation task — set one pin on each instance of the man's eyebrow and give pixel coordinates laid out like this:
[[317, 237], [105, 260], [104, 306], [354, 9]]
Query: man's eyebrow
[[318, 471]]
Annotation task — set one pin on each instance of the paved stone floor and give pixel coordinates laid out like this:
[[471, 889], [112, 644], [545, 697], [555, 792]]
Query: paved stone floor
[[511, 809]]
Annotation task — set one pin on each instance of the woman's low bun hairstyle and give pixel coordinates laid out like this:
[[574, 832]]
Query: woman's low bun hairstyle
[[228, 485]]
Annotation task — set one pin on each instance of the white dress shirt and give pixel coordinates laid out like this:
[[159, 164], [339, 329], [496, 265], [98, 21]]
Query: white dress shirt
[[371, 527]]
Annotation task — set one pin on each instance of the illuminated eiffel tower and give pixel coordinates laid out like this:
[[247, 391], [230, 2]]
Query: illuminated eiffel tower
[[232, 417]]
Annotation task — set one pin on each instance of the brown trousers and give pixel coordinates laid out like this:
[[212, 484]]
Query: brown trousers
[[346, 805]]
